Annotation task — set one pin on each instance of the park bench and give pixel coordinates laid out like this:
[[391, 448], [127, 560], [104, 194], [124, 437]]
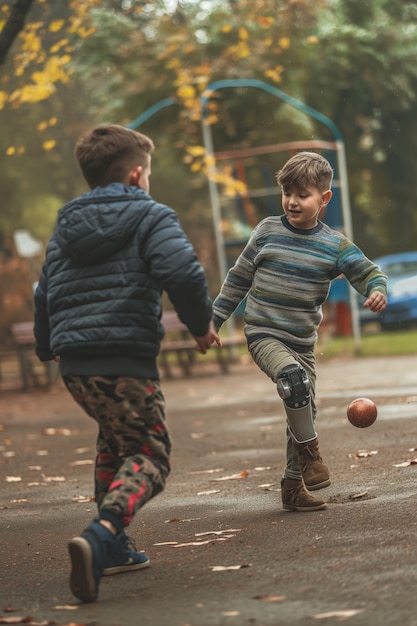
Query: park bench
[[23, 341], [177, 341]]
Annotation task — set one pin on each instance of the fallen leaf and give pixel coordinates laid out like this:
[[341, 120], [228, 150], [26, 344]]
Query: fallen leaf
[[53, 479], [57, 431], [357, 496], [166, 543], [406, 463], [22, 620], [66, 607], [232, 477], [218, 532], [270, 598], [230, 613], [340, 615], [13, 479], [177, 519], [209, 471], [200, 543], [224, 568], [83, 499], [82, 462], [362, 454], [208, 492]]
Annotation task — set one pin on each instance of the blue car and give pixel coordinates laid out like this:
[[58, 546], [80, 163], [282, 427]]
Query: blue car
[[401, 310]]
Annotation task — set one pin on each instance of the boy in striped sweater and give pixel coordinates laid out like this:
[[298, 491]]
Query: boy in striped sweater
[[284, 272]]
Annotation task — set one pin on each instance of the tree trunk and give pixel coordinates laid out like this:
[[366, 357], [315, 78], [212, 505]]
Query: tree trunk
[[13, 26]]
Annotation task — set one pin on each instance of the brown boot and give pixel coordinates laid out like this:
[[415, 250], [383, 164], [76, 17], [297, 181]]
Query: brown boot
[[295, 497], [315, 473]]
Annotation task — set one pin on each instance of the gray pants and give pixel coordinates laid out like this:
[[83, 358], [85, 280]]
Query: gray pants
[[271, 355]]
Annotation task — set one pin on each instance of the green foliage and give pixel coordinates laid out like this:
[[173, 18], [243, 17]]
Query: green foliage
[[354, 62], [376, 344]]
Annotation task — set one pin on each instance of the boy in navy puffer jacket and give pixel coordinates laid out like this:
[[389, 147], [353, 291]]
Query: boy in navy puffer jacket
[[97, 310]]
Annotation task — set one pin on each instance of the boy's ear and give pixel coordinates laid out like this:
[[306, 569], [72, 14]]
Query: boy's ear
[[327, 196], [134, 176]]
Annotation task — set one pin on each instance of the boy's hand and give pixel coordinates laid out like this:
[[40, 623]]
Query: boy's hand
[[376, 302], [205, 342]]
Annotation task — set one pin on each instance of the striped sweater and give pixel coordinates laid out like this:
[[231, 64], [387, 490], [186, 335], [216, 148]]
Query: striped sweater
[[285, 274]]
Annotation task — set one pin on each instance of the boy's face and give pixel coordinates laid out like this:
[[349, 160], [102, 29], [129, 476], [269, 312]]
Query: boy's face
[[303, 207]]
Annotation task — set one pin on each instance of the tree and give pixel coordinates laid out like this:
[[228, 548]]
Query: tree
[[13, 26], [364, 77], [41, 107]]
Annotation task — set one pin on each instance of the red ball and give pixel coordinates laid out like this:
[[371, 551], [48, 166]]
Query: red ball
[[362, 412]]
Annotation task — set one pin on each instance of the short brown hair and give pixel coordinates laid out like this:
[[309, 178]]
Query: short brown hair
[[109, 152], [306, 168]]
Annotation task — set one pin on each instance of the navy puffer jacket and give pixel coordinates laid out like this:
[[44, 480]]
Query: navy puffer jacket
[[98, 301]]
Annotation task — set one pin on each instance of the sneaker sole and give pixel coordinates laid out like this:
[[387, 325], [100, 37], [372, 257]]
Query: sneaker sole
[[322, 485], [304, 509], [120, 569], [82, 583]]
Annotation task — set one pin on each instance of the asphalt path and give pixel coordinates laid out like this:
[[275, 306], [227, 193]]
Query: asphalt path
[[222, 550]]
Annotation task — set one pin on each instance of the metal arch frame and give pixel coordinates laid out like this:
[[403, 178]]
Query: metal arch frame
[[214, 196]]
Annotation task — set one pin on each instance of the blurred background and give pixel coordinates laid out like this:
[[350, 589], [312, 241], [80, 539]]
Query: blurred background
[[70, 65]]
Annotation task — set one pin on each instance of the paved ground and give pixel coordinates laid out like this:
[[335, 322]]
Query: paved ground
[[223, 552]]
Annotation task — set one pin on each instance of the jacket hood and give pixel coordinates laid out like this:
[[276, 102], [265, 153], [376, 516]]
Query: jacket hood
[[97, 224]]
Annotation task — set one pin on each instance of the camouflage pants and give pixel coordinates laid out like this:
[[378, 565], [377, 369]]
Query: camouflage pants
[[133, 444]]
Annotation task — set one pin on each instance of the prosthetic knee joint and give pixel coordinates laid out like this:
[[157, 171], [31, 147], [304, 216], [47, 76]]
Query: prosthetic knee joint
[[293, 387]]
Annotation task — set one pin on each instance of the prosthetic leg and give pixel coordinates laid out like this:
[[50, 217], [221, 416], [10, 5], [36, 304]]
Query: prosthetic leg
[[293, 387]]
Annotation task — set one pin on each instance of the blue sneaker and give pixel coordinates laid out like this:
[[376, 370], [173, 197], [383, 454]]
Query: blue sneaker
[[125, 557], [89, 553]]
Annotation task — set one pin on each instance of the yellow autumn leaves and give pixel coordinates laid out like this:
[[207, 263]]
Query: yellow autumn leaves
[[42, 59], [198, 161]]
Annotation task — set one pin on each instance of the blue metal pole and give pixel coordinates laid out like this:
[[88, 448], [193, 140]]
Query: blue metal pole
[[150, 112], [297, 104]]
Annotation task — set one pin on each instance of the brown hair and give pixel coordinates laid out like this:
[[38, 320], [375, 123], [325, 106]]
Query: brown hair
[[304, 169], [109, 152]]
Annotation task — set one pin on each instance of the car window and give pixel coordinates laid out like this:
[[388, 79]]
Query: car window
[[394, 270]]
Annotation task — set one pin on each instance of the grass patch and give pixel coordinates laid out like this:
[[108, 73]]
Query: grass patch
[[395, 343]]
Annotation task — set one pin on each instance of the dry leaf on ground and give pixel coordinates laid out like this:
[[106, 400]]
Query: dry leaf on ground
[[243, 474], [339, 615], [224, 568], [406, 463], [363, 454]]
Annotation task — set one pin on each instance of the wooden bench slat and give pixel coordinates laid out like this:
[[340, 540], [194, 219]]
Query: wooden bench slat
[[177, 340]]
